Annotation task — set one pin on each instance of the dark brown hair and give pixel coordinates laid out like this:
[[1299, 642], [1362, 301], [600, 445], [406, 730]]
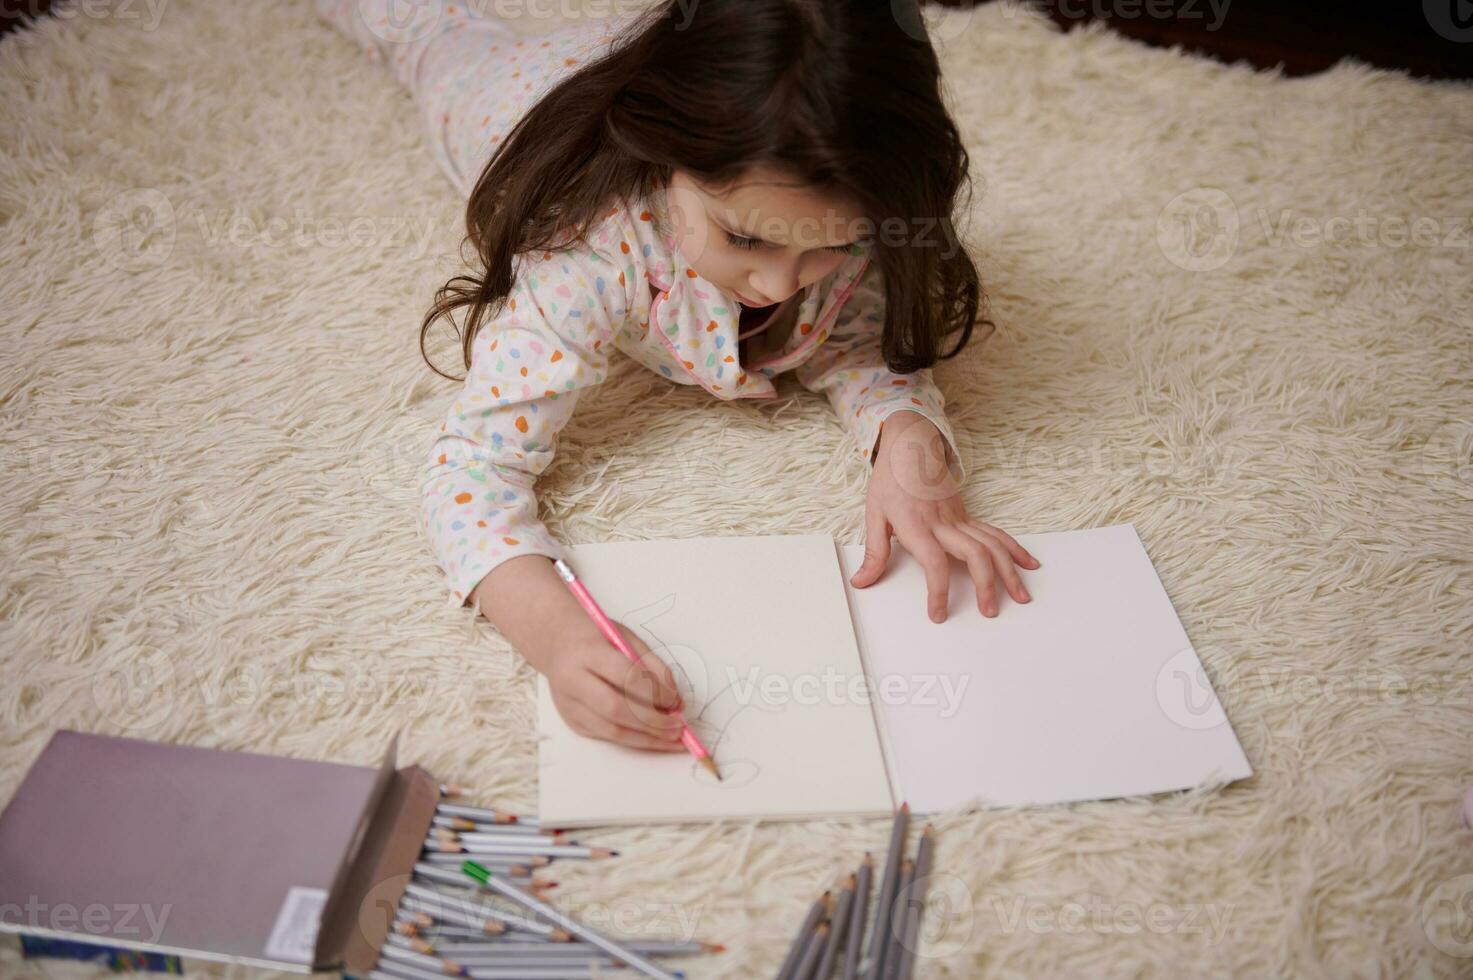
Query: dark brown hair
[[842, 96]]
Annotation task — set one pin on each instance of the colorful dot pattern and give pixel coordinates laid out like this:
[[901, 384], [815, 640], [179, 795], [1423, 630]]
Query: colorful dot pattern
[[629, 289]]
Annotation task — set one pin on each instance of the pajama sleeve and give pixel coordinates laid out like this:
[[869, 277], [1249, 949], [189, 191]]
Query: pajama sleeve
[[849, 367], [529, 365]]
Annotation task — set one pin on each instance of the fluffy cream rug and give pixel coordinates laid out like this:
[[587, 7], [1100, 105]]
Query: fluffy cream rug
[[1233, 309]]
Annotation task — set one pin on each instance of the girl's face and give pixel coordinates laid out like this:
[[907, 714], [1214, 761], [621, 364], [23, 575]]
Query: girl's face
[[762, 239]]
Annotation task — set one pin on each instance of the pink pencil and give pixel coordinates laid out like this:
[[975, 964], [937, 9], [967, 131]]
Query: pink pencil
[[606, 625]]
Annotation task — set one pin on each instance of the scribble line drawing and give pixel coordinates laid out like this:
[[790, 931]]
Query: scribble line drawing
[[736, 772]]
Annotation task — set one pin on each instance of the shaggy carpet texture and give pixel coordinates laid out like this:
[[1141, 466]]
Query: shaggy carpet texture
[[1233, 309]]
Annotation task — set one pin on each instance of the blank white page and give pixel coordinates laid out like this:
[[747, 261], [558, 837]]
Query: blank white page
[[1090, 691], [757, 630]]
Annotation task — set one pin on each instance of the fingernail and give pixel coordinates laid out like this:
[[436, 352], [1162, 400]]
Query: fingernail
[[992, 609], [1027, 596]]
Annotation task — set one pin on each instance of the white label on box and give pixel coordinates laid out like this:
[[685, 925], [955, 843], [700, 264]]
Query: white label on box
[[294, 937]]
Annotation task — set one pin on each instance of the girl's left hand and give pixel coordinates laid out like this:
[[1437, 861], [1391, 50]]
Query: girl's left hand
[[913, 494]]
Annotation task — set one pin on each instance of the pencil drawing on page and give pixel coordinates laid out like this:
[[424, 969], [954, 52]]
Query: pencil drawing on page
[[719, 717]]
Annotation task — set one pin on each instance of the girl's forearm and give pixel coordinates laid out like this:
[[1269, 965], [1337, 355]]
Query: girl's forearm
[[528, 603]]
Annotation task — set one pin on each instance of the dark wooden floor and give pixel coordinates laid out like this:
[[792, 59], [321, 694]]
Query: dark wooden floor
[[1429, 38]]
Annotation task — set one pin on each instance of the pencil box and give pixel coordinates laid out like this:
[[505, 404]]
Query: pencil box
[[286, 864]]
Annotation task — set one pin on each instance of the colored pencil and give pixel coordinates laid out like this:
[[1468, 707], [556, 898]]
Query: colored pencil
[[874, 969], [467, 846], [611, 632], [468, 913], [916, 905], [509, 960], [394, 970], [617, 950], [444, 875], [554, 973], [839, 922], [480, 813], [896, 924], [519, 829], [816, 912], [858, 913], [400, 971], [445, 878], [529, 945], [454, 858], [814, 950], [526, 835], [421, 960], [411, 942]]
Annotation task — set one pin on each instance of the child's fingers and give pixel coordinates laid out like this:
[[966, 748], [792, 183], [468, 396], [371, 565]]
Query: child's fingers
[[926, 550], [615, 668], [618, 694], [652, 677], [876, 548], [997, 555], [1020, 554], [979, 563], [587, 722]]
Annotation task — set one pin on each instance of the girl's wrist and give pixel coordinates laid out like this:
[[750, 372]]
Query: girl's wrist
[[529, 605], [896, 423]]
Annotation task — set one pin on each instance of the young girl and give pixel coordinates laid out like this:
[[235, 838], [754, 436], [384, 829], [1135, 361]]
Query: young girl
[[723, 191]]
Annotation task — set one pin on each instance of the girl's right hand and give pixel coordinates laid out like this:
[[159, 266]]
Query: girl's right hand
[[602, 694]]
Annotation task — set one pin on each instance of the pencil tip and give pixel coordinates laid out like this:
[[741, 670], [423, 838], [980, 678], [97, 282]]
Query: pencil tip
[[905, 806]]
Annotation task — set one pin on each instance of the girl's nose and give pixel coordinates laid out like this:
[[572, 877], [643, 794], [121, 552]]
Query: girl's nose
[[777, 284]]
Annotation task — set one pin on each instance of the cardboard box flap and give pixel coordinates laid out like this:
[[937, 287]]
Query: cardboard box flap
[[362, 912]]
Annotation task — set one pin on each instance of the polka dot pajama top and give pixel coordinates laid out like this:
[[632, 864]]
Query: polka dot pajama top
[[629, 289]]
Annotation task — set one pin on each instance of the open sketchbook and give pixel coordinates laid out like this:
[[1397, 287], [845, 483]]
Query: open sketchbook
[[819, 699]]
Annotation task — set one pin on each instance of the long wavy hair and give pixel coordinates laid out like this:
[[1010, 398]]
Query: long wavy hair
[[841, 96]]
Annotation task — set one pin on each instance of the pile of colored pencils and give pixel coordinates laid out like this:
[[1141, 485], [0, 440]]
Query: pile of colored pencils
[[832, 934], [444, 925]]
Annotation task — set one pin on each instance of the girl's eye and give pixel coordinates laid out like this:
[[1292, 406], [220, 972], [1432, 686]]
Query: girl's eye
[[737, 241]]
